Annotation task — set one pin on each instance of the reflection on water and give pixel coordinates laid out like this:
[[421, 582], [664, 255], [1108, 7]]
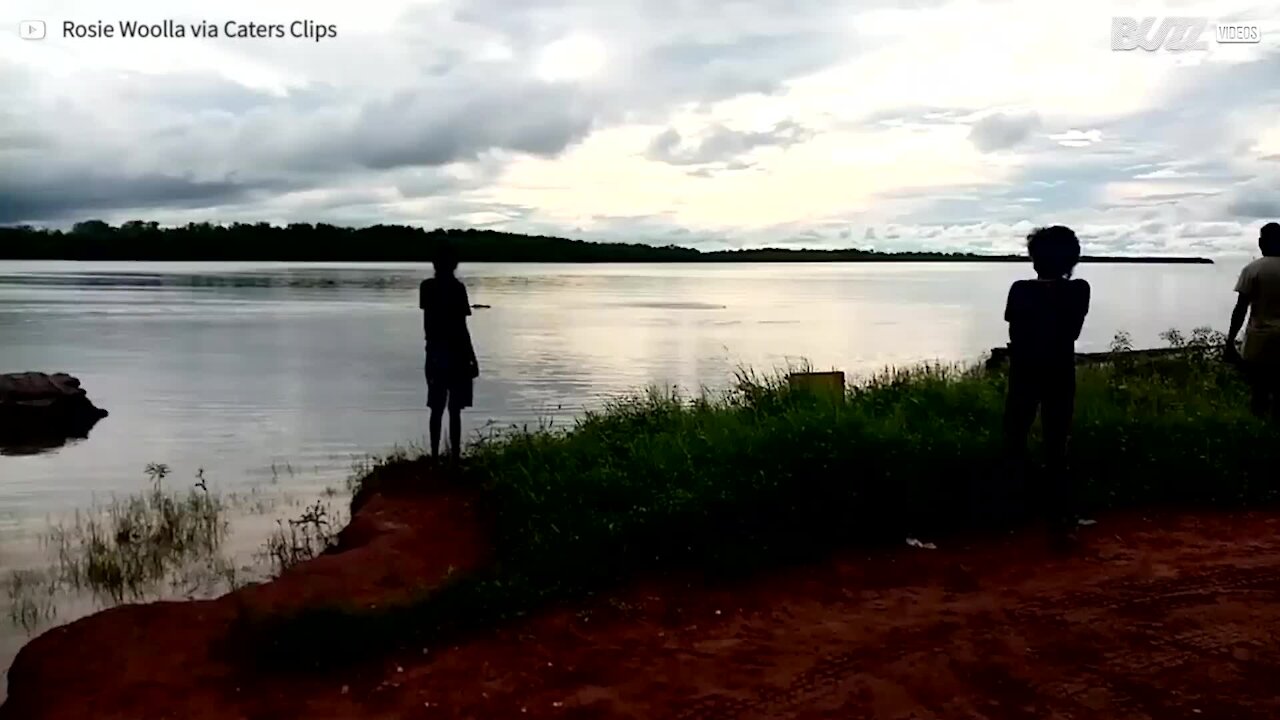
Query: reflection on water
[[237, 368], [37, 444], [36, 440]]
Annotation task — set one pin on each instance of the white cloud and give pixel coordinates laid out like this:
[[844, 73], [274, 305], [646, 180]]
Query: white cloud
[[1165, 174], [650, 119], [1077, 138]]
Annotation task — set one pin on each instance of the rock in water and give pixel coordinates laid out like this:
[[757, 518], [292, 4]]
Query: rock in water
[[40, 411]]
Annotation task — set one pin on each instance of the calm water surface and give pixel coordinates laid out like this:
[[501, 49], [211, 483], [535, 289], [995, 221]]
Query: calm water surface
[[271, 377]]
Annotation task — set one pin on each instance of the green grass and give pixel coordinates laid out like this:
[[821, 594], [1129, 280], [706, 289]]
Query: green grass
[[730, 482], [128, 549], [123, 550], [299, 539]]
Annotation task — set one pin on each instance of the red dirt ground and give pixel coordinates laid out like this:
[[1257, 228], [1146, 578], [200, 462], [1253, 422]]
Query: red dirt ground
[[1164, 618]]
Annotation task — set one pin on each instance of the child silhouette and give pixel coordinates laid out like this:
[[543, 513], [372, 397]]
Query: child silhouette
[[1045, 316]]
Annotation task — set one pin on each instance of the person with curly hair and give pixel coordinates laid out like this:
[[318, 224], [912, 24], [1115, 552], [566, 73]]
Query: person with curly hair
[[1045, 316]]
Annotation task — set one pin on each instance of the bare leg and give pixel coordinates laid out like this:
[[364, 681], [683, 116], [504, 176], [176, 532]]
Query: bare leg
[[1056, 416], [437, 416], [1021, 403], [455, 433]]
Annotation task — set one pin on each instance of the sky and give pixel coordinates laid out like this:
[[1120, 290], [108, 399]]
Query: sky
[[921, 124]]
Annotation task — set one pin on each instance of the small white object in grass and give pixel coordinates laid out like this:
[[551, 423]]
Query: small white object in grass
[[922, 545], [1085, 522], [399, 669]]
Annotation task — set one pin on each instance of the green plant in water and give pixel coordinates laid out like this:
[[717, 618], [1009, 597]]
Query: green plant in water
[[32, 598], [300, 539], [125, 549]]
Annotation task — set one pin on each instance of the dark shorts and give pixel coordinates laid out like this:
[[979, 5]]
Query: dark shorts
[[448, 390], [1048, 389]]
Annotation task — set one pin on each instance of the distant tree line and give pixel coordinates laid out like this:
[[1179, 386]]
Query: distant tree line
[[138, 240]]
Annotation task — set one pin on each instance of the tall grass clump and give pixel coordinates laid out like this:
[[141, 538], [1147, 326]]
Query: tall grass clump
[[124, 549], [729, 481], [299, 539]]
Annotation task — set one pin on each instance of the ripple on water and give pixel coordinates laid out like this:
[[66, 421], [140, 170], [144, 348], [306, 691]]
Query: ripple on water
[[672, 305]]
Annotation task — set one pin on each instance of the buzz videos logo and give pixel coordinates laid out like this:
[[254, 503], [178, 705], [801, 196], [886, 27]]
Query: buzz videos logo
[[1177, 34]]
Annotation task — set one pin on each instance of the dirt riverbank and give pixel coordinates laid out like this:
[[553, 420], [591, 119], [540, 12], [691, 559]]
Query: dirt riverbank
[[1168, 616]]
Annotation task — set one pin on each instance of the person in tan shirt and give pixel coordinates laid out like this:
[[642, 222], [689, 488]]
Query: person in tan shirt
[[1259, 298]]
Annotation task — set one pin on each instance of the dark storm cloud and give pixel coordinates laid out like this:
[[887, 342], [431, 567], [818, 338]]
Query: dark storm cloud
[[57, 197], [1001, 131], [426, 97], [707, 71], [14, 139], [410, 129], [440, 106], [722, 143], [1257, 206], [190, 93]]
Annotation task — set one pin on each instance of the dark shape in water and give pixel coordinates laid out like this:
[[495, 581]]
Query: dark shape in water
[[41, 412]]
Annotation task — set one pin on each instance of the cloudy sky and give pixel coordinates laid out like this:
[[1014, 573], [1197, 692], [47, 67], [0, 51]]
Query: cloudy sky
[[916, 124]]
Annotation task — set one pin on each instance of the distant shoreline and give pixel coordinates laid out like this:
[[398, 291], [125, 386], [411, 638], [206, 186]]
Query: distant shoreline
[[1102, 260], [139, 241], [881, 259]]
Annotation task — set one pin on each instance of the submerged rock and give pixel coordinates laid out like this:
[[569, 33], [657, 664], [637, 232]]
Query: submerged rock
[[41, 411]]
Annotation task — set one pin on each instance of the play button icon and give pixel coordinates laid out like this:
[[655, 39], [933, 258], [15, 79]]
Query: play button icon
[[31, 29]]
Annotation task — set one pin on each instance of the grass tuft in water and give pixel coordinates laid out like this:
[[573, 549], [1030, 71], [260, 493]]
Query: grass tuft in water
[[158, 542], [300, 539], [32, 598], [124, 549]]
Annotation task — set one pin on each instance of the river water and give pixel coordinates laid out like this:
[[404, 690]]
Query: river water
[[272, 377]]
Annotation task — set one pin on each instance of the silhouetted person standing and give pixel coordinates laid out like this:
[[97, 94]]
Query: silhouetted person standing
[[451, 365], [1259, 297], [1045, 316]]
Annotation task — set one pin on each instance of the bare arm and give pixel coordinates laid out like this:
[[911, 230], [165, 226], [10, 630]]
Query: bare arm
[[1238, 315], [466, 336], [1244, 290], [422, 305], [1078, 321]]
